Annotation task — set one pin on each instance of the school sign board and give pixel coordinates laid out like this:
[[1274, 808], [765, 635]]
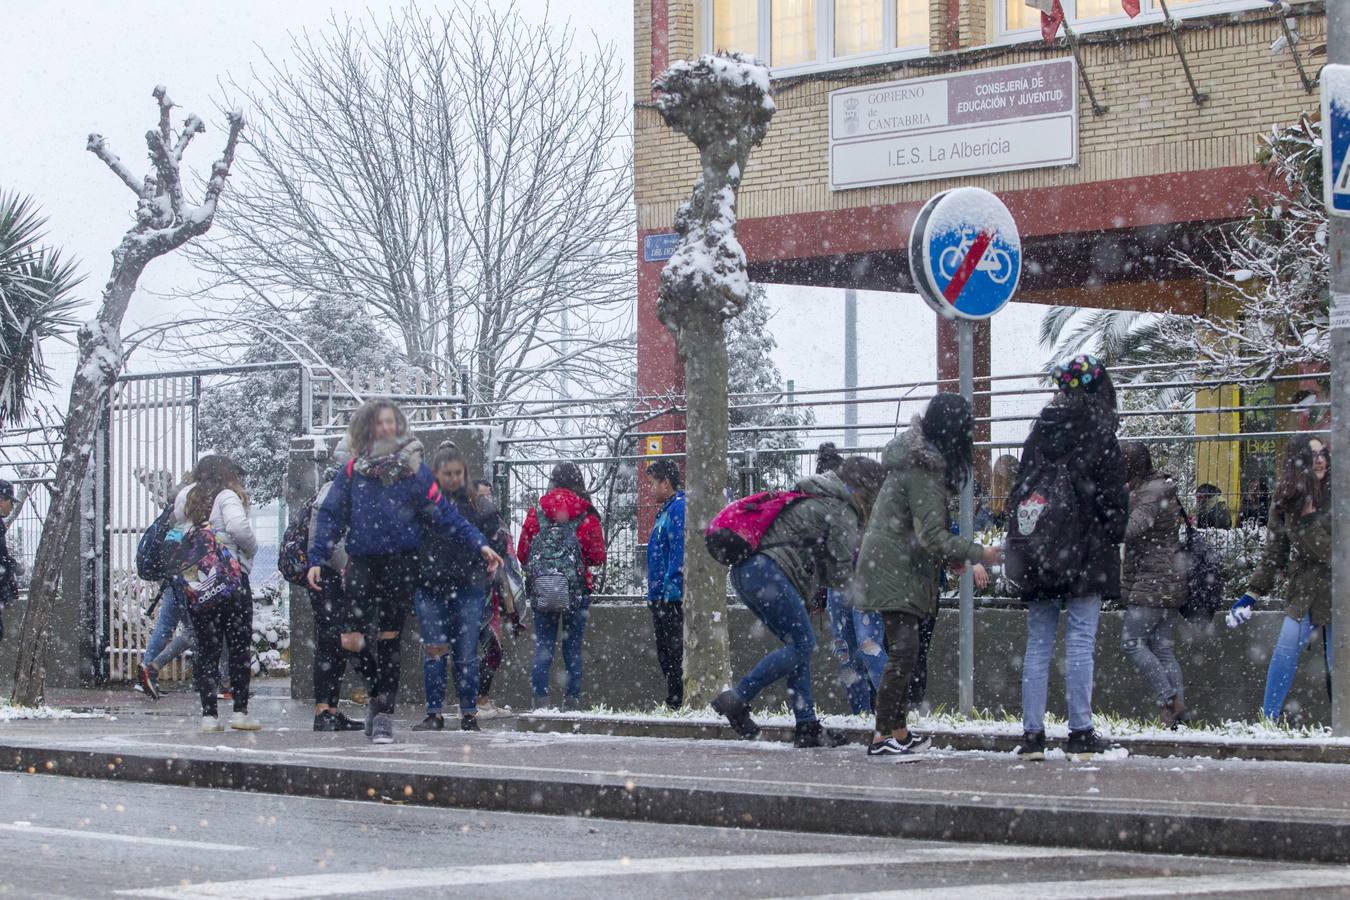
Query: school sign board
[[965, 254], [971, 123]]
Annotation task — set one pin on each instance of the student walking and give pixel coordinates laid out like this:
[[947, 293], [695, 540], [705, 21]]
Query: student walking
[[329, 604], [858, 637], [1068, 515], [452, 596], [490, 636], [1298, 542], [384, 501], [809, 546], [665, 576], [216, 499], [1153, 581], [908, 541], [560, 542]]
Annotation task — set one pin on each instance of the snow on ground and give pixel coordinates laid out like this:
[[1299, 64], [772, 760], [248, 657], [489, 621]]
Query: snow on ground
[[944, 723], [11, 713]]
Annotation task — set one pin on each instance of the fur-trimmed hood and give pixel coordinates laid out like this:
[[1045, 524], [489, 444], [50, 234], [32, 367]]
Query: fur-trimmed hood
[[911, 450]]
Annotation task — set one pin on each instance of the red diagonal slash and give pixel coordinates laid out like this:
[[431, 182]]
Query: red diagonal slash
[[967, 267]]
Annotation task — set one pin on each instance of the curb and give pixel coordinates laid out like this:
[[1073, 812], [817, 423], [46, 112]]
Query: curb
[[1270, 751], [1049, 825]]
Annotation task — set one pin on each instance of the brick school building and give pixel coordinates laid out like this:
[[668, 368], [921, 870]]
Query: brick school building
[[1107, 152]]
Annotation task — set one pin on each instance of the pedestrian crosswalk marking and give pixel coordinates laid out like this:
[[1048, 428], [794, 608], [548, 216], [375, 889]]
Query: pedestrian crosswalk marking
[[336, 884], [86, 834]]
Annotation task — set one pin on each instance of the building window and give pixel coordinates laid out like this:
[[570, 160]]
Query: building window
[[859, 27], [736, 25], [804, 35], [911, 24], [1016, 18], [792, 32]]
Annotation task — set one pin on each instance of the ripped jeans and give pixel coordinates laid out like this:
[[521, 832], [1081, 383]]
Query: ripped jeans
[[859, 649]]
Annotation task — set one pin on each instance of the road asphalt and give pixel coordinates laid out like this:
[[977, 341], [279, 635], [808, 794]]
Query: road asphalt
[[64, 838], [1278, 811]]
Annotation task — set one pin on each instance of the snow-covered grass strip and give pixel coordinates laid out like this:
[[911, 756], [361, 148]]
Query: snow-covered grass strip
[[941, 722]]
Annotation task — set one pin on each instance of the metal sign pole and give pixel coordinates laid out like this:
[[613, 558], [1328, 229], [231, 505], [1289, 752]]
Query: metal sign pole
[[966, 520], [1338, 245]]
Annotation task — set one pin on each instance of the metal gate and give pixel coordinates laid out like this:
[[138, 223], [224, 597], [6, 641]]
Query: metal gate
[[149, 443]]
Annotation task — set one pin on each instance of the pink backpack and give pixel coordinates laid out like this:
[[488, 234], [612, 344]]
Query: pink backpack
[[734, 534]]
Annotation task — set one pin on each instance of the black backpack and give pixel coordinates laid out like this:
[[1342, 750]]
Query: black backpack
[[155, 558], [293, 557], [1204, 577], [1046, 549]]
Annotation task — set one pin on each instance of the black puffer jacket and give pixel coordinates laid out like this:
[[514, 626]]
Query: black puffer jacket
[[448, 563], [1088, 442]]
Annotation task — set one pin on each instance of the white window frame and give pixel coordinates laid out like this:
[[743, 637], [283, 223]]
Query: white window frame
[[1150, 12], [825, 59]]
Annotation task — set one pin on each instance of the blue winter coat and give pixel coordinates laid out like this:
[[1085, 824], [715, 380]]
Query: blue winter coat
[[665, 553], [383, 519]]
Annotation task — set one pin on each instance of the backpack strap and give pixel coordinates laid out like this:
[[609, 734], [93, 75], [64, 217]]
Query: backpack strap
[[351, 466]]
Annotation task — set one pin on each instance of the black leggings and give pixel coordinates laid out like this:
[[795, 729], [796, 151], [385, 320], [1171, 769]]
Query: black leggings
[[379, 593], [902, 650], [228, 626], [330, 660]]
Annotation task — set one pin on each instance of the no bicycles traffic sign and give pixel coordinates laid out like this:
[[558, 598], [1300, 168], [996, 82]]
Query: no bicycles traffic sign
[[965, 254]]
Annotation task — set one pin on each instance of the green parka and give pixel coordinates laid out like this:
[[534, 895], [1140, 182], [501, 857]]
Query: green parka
[[1300, 546], [909, 537], [813, 540]]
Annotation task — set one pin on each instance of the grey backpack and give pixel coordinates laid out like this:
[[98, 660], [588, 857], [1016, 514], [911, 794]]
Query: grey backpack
[[555, 579]]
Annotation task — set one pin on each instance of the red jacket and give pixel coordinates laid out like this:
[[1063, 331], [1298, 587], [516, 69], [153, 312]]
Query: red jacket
[[561, 505]]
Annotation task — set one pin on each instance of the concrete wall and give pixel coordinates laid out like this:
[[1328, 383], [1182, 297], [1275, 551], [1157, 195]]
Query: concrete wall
[[1225, 673], [310, 456]]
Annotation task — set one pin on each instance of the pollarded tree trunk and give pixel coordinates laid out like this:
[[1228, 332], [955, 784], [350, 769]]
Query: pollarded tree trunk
[[163, 223], [723, 105], [707, 660]]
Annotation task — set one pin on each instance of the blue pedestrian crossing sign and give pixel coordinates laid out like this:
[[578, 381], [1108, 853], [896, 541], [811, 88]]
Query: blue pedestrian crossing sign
[[1336, 138], [965, 254]]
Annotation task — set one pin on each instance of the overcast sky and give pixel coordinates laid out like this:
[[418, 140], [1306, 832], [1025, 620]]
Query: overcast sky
[[85, 66]]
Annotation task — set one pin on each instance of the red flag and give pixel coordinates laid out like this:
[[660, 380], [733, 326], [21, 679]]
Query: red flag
[[1052, 16], [1131, 7]]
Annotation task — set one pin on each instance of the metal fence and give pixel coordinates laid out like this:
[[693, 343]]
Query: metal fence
[[1226, 435]]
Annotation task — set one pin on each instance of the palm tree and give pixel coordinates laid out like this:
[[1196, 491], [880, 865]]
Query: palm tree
[[1118, 336], [37, 301]]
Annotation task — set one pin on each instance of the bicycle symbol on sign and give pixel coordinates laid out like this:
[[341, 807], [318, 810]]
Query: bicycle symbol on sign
[[995, 262]]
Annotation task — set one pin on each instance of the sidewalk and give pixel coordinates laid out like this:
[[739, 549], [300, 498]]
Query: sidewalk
[[1276, 810]]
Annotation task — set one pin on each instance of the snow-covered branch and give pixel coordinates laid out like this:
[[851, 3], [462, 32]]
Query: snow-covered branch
[[98, 145]]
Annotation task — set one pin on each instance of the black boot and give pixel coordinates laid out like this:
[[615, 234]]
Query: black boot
[[469, 722], [811, 734], [737, 712]]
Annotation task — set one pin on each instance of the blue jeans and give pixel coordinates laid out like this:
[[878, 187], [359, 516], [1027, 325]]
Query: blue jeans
[[1080, 643], [172, 611], [767, 592], [452, 619], [859, 648], [1293, 639], [546, 626]]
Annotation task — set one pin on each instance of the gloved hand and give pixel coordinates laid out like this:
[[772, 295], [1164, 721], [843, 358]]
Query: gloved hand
[[1240, 611]]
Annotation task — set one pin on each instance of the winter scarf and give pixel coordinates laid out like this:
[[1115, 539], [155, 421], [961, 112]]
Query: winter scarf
[[390, 461]]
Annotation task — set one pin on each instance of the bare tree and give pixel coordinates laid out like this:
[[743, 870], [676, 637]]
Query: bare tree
[[723, 105], [164, 222], [466, 176]]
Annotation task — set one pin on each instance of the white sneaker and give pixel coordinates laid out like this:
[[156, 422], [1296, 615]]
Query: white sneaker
[[490, 710], [211, 725], [242, 721]]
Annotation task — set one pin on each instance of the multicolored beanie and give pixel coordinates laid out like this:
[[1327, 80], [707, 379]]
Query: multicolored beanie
[[1080, 373]]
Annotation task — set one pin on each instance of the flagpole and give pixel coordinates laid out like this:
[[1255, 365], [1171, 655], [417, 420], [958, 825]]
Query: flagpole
[[1097, 108], [1200, 99]]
